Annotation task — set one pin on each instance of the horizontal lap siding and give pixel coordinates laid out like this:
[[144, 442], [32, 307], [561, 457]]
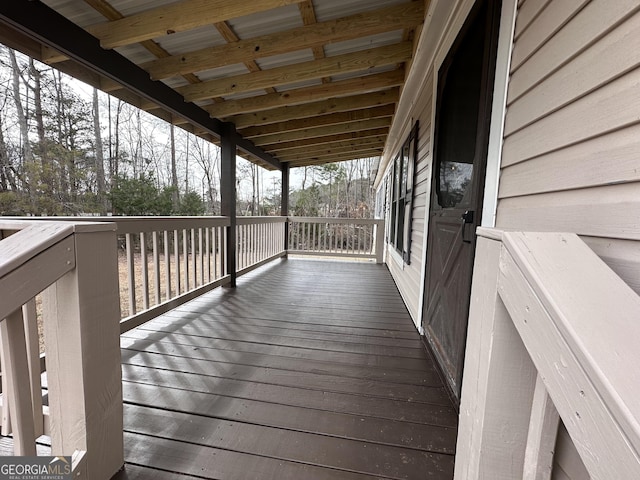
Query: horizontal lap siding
[[571, 154], [408, 278]]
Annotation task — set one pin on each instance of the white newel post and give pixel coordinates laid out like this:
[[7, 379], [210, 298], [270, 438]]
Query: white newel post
[[499, 380], [379, 235], [82, 336]]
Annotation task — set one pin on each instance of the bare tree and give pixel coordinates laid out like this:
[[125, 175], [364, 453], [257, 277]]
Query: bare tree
[[27, 153], [208, 158], [99, 155]]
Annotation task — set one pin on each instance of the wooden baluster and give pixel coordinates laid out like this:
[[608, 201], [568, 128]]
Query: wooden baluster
[[201, 255], [194, 258], [15, 365], [176, 259], [167, 265], [33, 355], [185, 252], [222, 242], [6, 414], [243, 229], [207, 237], [156, 267], [542, 433], [145, 270], [314, 240], [214, 246], [131, 276]]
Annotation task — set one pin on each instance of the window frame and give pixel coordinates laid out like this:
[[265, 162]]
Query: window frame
[[401, 179]]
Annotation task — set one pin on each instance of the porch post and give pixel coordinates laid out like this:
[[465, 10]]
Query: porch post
[[284, 207], [228, 194], [83, 355], [499, 380]]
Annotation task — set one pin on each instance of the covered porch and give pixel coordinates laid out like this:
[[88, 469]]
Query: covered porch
[[310, 368]]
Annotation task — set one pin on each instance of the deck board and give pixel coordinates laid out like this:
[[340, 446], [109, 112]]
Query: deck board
[[307, 370]]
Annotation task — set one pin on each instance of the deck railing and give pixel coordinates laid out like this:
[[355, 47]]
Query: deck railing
[[258, 241], [337, 237], [75, 266], [167, 261], [553, 334]]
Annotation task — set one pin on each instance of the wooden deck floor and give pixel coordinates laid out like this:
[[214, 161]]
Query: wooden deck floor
[[308, 370]]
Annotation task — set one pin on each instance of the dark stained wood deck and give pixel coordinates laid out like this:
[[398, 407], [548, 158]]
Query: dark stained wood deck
[[308, 370]]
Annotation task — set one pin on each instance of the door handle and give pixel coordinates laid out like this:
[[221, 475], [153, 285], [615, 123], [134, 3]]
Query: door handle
[[467, 218]]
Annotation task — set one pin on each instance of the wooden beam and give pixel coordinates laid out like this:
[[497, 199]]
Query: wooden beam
[[308, 14], [176, 17], [310, 36], [322, 120], [113, 14], [322, 131], [329, 152], [335, 158], [230, 36], [334, 105], [340, 64], [310, 142], [354, 145], [341, 88]]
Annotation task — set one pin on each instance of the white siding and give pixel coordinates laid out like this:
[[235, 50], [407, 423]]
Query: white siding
[[571, 154], [408, 276]]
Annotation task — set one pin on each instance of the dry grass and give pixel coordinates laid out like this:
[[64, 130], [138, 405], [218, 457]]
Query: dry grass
[[138, 278], [153, 298]]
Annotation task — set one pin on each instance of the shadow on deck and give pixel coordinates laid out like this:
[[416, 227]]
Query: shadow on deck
[[308, 370]]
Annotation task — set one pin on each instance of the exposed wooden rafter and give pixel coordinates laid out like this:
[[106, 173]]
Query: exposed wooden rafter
[[342, 88], [334, 158], [230, 36], [308, 15], [332, 147], [310, 36], [176, 17], [340, 64], [323, 120], [315, 132], [312, 142], [334, 105], [113, 15]]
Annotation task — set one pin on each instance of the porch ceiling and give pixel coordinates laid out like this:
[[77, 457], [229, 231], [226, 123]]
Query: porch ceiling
[[305, 81]]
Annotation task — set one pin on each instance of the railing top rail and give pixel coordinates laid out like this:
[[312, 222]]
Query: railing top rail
[[578, 321], [31, 240], [595, 312], [137, 224], [261, 220], [356, 221]]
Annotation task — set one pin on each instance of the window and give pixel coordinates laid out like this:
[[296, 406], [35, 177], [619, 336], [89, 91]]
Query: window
[[402, 170]]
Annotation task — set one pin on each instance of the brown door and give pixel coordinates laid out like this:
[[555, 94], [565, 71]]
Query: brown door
[[465, 82]]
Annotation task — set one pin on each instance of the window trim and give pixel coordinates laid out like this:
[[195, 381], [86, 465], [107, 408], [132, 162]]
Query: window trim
[[401, 179]]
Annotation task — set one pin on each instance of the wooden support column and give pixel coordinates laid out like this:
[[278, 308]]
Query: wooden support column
[[284, 206], [499, 380], [82, 337], [228, 194]]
